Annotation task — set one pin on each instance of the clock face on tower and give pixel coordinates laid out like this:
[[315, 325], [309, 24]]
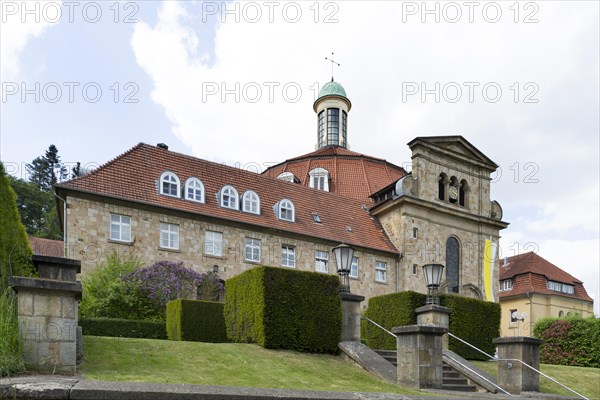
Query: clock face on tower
[[453, 192]]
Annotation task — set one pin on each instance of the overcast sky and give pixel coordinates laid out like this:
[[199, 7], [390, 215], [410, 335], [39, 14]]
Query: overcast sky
[[235, 83]]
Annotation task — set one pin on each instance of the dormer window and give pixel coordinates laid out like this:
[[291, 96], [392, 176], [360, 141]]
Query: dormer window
[[286, 211], [286, 176], [319, 179], [169, 184], [194, 190], [229, 198], [506, 285], [250, 202], [561, 287]]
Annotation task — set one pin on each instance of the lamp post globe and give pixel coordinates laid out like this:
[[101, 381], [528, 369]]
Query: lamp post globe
[[343, 260]]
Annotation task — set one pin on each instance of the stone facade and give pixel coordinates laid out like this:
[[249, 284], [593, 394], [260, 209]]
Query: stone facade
[[88, 240]]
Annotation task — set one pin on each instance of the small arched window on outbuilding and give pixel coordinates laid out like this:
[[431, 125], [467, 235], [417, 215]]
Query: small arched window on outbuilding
[[285, 210], [251, 202], [319, 179], [442, 186], [229, 198], [194, 190], [169, 184]]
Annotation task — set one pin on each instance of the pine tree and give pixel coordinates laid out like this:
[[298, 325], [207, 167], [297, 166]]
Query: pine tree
[[15, 253]]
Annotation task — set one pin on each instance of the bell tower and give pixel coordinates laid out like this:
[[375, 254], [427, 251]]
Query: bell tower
[[332, 107]]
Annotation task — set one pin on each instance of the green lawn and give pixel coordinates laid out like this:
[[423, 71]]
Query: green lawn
[[583, 380], [231, 364]]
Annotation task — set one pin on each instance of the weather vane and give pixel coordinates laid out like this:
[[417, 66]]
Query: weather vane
[[332, 64]]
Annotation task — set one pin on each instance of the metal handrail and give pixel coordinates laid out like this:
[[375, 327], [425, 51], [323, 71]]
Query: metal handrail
[[377, 325], [522, 362]]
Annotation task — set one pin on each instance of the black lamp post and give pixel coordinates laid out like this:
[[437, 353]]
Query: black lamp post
[[433, 276], [343, 259]]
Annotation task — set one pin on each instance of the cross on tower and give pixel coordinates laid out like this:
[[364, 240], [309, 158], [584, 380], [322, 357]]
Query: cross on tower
[[332, 64]]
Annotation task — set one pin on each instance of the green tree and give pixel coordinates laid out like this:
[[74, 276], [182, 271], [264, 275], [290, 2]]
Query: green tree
[[15, 254], [47, 170]]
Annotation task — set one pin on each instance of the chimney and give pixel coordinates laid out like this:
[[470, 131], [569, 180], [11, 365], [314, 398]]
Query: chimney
[[162, 146]]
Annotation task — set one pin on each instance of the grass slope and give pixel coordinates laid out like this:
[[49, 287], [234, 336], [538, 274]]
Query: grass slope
[[585, 381], [229, 364]]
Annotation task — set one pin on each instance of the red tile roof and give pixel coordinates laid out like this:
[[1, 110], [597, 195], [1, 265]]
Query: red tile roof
[[134, 175], [47, 247], [530, 273], [351, 174]]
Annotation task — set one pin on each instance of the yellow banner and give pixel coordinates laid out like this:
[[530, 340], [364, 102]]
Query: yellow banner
[[489, 257]]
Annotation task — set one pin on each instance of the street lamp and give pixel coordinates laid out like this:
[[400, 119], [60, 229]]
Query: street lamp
[[343, 259], [433, 276]]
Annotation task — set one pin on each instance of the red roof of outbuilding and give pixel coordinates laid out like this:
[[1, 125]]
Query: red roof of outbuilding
[[530, 274], [351, 174], [134, 175], [47, 247]]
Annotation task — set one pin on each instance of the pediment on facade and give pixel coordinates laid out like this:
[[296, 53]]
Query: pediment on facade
[[454, 146]]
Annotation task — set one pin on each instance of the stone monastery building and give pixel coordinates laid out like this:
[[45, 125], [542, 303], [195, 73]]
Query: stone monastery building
[[162, 205]]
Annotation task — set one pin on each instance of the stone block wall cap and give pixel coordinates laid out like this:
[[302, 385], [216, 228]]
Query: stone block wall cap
[[22, 282], [432, 307], [517, 339], [426, 329], [56, 261], [351, 297]]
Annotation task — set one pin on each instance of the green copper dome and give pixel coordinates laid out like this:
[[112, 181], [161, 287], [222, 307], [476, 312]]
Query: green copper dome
[[332, 88]]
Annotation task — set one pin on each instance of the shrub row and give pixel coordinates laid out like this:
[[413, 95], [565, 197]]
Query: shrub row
[[197, 321], [123, 328], [279, 308], [570, 341], [475, 321]]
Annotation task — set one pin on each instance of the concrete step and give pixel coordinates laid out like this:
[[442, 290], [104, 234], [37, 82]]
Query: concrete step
[[390, 356], [459, 388]]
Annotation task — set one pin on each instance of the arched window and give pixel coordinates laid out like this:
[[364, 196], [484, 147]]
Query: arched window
[[463, 191], [442, 186], [194, 190], [169, 184], [286, 176], [250, 202], [452, 264], [286, 211], [229, 198], [319, 179], [453, 191]]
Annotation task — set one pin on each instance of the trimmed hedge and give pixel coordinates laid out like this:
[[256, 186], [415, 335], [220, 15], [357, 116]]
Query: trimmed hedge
[[279, 308], [475, 321], [129, 328], [570, 341], [196, 321]]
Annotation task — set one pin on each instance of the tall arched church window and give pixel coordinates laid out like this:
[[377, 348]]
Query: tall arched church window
[[442, 186], [452, 264]]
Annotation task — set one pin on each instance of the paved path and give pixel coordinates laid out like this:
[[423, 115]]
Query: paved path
[[53, 387]]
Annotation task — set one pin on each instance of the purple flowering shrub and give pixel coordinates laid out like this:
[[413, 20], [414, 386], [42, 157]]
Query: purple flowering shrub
[[162, 282]]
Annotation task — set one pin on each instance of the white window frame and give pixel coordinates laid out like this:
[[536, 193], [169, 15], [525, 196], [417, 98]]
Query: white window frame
[[169, 178], [380, 271], [232, 196], [251, 202], [354, 268], [321, 261], [169, 236], [319, 179], [506, 285], [252, 250], [285, 207], [194, 188], [123, 225], [213, 243], [286, 176], [288, 256]]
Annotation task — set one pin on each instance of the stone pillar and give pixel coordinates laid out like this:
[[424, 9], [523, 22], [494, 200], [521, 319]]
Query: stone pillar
[[419, 356], [513, 375], [351, 317], [434, 315], [47, 309]]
